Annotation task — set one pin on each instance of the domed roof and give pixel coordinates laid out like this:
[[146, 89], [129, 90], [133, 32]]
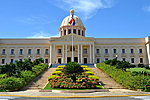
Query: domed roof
[[66, 20]]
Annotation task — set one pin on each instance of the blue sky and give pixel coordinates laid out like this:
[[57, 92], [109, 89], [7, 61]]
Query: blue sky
[[102, 18]]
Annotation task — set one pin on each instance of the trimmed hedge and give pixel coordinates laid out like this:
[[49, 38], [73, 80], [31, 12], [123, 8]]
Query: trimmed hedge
[[93, 77], [57, 73], [89, 73], [87, 69], [53, 76], [125, 78], [27, 75]]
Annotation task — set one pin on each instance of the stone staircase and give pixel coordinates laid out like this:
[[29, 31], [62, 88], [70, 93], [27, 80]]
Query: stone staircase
[[107, 82], [40, 81]]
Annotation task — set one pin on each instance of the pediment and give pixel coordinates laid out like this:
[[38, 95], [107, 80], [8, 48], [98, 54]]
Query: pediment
[[75, 38]]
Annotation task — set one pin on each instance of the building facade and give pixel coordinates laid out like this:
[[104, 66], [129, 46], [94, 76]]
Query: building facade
[[73, 45]]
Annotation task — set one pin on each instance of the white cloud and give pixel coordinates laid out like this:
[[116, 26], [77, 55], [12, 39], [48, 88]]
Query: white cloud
[[42, 34], [86, 7]]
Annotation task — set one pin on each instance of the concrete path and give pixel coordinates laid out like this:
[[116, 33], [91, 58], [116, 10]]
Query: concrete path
[[40, 81], [108, 82]]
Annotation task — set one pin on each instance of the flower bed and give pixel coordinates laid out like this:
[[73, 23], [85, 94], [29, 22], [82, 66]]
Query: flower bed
[[79, 78]]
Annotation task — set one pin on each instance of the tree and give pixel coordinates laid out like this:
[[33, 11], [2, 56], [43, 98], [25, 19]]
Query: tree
[[73, 69]]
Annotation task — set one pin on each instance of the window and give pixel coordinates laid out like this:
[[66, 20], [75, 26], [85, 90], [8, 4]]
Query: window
[[98, 60], [97, 51], [141, 60], [11, 60], [123, 51], [82, 33], [69, 31], [46, 60], [20, 59], [3, 52], [71, 48], [21, 52], [85, 51], [140, 51], [59, 51], [123, 59], [29, 51], [106, 59], [74, 31], [132, 60], [79, 32], [106, 50], [38, 52], [46, 51], [3, 61], [12, 52], [132, 50], [64, 32], [114, 50]]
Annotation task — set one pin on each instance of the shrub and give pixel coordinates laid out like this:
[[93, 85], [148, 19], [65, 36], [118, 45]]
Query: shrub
[[2, 76], [57, 73], [141, 65], [11, 83], [84, 66], [93, 77], [61, 66], [125, 78], [53, 76], [27, 75], [39, 68], [87, 69], [89, 73], [59, 69]]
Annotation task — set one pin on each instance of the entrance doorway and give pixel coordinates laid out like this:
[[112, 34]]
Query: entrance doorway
[[85, 60], [76, 59], [68, 59], [59, 60]]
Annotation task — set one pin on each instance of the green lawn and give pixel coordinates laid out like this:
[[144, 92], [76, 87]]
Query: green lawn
[[138, 70], [47, 87]]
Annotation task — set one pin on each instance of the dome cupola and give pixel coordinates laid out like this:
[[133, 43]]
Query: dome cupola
[[72, 24]]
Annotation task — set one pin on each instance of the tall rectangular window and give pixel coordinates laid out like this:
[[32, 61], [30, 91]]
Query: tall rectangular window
[[29, 51], [64, 32], [46, 51], [106, 50], [69, 31], [46, 60], [123, 59], [3, 61], [3, 52], [106, 59], [59, 51], [98, 60], [11, 60], [38, 52], [21, 51], [85, 51], [12, 51], [123, 51], [115, 50], [132, 50], [141, 60], [74, 31], [97, 51], [78, 32], [132, 60], [140, 51]]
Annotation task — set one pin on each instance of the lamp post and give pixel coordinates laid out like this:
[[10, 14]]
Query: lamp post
[[29, 57], [116, 57]]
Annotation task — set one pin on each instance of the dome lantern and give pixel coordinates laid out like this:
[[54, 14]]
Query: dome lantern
[[66, 28]]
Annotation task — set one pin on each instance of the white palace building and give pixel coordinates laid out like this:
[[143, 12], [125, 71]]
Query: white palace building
[[82, 49]]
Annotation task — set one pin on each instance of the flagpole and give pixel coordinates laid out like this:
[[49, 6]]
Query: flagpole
[[72, 13]]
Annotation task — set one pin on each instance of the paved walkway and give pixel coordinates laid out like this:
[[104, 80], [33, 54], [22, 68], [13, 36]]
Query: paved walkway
[[40, 81], [107, 82]]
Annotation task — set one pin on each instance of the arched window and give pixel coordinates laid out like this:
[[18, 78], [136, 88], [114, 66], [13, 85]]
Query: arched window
[[78, 32], [64, 32], [74, 31], [69, 31]]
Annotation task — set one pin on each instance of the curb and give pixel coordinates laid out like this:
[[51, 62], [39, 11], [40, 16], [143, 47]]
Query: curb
[[73, 96]]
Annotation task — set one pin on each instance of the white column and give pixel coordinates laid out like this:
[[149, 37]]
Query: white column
[[81, 54], [93, 54], [51, 54], [66, 53], [54, 53], [63, 53], [90, 54], [78, 53]]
